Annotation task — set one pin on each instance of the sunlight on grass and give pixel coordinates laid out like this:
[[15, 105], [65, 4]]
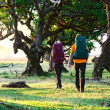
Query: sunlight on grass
[[43, 94], [54, 105], [46, 96]]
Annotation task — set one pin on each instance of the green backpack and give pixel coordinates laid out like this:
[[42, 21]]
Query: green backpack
[[81, 51]]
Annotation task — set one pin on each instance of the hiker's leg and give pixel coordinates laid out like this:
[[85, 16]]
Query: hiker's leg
[[76, 66], [61, 67], [60, 70], [82, 81], [58, 74]]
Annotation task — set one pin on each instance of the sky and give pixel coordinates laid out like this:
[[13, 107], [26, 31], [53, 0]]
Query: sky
[[6, 50], [97, 50], [6, 47]]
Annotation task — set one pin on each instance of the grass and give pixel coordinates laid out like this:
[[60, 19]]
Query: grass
[[43, 94]]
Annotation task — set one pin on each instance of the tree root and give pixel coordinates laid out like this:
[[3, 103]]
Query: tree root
[[7, 66]]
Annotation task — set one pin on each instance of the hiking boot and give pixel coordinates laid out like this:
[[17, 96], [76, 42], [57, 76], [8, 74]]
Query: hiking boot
[[78, 89], [57, 86], [60, 87], [82, 91]]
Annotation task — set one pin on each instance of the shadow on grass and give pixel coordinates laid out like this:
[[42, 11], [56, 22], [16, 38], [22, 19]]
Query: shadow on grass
[[42, 100], [44, 105], [15, 106], [49, 74]]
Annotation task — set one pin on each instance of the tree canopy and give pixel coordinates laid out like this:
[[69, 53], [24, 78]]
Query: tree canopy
[[48, 23], [69, 17]]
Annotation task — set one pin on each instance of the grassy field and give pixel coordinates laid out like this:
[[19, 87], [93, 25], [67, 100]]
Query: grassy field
[[43, 94]]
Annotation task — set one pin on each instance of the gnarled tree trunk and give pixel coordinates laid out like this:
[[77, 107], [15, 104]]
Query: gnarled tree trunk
[[33, 53], [33, 64], [33, 68], [103, 61]]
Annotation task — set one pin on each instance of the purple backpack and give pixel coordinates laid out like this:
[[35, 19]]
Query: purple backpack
[[58, 54]]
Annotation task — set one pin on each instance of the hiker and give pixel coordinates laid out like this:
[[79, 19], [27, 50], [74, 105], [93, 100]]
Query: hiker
[[58, 57], [80, 57]]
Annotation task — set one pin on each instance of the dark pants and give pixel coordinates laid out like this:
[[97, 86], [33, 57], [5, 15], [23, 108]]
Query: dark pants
[[82, 68], [58, 70]]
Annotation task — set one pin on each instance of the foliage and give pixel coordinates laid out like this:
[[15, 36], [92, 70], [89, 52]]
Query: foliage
[[87, 18], [48, 24]]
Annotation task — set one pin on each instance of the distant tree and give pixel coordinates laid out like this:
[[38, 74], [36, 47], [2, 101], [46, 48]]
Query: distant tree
[[48, 22]]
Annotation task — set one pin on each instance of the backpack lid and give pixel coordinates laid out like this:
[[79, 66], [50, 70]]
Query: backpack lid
[[81, 51], [57, 47], [58, 54]]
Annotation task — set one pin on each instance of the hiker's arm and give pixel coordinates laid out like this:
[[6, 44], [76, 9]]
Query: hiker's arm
[[70, 58], [65, 59], [71, 55], [88, 52], [50, 61]]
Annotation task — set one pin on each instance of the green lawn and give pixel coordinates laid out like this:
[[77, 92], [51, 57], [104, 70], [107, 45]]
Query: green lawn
[[43, 94]]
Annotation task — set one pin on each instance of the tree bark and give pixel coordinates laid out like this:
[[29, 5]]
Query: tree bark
[[103, 61], [39, 36], [33, 67]]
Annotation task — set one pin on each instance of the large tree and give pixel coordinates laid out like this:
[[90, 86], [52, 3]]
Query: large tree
[[48, 22], [103, 61]]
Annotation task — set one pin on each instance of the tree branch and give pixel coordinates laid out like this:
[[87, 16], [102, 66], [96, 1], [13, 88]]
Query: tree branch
[[28, 23], [25, 38], [47, 25], [43, 6], [76, 28], [106, 1], [7, 35], [36, 5]]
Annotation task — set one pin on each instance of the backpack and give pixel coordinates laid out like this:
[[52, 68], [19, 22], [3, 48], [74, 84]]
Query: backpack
[[81, 51], [58, 54]]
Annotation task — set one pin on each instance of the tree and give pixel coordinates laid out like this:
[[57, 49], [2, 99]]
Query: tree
[[103, 61], [48, 22]]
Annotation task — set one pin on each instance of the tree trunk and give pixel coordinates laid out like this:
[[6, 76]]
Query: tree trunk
[[33, 68], [103, 61], [34, 53], [33, 64], [39, 37]]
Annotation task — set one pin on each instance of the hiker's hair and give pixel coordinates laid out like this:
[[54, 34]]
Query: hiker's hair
[[78, 35], [58, 41]]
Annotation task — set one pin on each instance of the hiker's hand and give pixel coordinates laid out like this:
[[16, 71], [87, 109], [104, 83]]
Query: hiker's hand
[[50, 68], [69, 65], [65, 64]]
